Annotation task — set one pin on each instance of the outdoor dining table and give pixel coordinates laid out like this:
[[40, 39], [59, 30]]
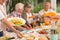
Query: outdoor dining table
[[12, 34]]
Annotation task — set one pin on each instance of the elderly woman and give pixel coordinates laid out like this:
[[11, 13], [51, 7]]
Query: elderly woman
[[18, 13], [18, 10]]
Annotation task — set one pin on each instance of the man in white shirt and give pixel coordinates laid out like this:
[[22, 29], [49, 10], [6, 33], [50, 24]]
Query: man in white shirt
[[47, 8], [4, 20]]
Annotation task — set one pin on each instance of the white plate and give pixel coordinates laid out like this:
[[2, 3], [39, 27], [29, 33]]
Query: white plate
[[23, 21]]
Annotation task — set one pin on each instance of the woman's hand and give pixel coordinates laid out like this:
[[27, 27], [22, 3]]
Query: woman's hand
[[28, 28], [31, 17], [19, 35]]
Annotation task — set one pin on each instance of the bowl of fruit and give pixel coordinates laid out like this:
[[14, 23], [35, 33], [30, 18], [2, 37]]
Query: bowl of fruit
[[15, 21]]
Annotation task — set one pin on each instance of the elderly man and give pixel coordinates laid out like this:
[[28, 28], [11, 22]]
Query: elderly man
[[48, 12], [4, 20], [18, 13], [47, 8]]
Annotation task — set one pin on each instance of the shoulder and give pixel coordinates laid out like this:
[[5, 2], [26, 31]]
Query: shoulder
[[1, 15], [13, 12], [24, 13], [40, 12], [51, 10]]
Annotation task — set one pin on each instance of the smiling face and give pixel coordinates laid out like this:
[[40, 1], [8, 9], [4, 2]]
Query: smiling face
[[20, 10], [19, 7], [28, 10], [47, 6]]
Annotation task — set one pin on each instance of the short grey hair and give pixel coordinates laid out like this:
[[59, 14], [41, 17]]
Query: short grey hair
[[19, 6]]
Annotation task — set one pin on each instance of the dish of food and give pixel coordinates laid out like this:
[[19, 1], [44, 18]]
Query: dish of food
[[44, 31], [33, 37], [43, 38], [15, 21], [30, 38]]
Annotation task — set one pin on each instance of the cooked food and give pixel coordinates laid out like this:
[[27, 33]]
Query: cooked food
[[50, 14], [29, 38], [42, 32], [31, 17], [4, 38], [43, 38], [17, 21]]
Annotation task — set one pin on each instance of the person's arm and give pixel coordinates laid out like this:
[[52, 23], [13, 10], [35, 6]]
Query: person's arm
[[25, 18], [28, 24], [40, 14], [55, 17], [4, 20], [8, 25]]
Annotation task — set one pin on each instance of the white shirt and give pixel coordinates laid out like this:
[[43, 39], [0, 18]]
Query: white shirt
[[1, 17], [42, 11], [3, 9], [29, 19]]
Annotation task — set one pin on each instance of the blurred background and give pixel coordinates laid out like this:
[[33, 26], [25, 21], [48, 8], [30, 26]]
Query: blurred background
[[37, 5]]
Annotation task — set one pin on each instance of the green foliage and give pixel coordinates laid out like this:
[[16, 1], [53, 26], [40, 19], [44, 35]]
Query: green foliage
[[38, 8], [58, 8], [12, 3]]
